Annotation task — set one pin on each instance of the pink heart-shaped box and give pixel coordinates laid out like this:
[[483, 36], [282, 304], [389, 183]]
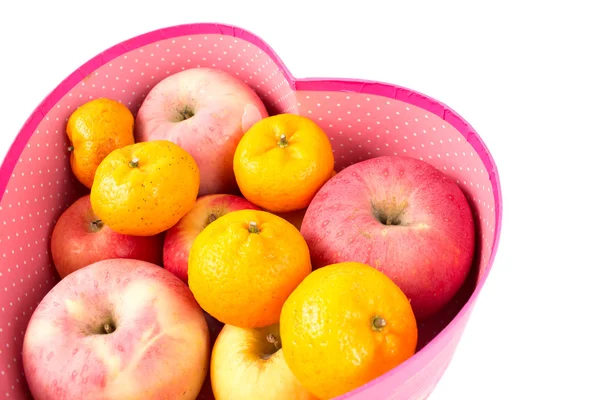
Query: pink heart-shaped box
[[363, 119]]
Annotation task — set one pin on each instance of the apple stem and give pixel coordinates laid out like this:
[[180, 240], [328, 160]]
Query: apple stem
[[135, 162], [253, 227], [273, 340], [108, 328], [97, 225], [378, 323], [70, 148], [282, 141]]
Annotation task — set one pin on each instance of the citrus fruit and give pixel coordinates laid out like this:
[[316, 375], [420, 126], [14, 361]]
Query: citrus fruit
[[243, 266], [345, 325], [282, 161], [95, 129], [296, 217], [143, 189]]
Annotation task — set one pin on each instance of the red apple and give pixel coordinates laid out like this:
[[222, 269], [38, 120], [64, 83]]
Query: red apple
[[179, 239], [117, 329], [79, 238], [402, 216], [206, 111], [249, 364]]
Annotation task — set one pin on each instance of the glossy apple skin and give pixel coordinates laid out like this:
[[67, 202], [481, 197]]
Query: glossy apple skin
[[428, 255], [179, 239], [159, 348], [239, 371], [219, 108], [77, 241]]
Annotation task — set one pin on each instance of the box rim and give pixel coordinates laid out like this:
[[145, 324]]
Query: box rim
[[363, 86]]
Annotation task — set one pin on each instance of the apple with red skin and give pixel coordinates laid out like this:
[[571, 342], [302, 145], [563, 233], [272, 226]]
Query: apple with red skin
[[79, 238], [179, 239], [403, 217], [117, 329], [206, 111]]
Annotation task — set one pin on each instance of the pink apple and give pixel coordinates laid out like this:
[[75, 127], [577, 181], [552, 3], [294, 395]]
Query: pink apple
[[206, 111], [179, 239], [117, 329], [401, 216], [79, 238]]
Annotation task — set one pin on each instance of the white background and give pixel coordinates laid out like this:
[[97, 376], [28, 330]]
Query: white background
[[525, 74]]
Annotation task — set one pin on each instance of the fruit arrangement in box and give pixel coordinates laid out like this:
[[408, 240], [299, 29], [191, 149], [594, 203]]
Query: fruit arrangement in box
[[218, 254]]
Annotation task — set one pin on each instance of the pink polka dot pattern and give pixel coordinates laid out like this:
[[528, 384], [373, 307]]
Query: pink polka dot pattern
[[360, 126], [131, 76]]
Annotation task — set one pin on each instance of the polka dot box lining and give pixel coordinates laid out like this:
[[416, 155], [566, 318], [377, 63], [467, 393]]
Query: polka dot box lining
[[363, 119]]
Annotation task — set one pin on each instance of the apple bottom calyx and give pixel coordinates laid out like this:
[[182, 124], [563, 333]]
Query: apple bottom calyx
[[276, 345], [212, 218], [184, 113], [389, 215], [96, 225], [105, 327], [108, 328]]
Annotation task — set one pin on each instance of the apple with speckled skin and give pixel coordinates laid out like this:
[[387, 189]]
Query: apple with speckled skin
[[117, 329], [403, 217], [79, 238], [179, 239], [206, 111]]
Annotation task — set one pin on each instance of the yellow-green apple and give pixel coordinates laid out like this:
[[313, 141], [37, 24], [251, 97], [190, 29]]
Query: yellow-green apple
[[402, 216], [206, 111], [179, 239], [117, 329], [249, 364], [79, 238]]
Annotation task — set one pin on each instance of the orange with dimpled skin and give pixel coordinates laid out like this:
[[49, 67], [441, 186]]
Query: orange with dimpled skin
[[95, 129], [244, 265], [282, 161], [179, 239], [345, 325], [143, 189]]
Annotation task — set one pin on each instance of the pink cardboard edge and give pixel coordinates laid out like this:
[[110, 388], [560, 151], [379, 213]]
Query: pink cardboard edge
[[309, 84]]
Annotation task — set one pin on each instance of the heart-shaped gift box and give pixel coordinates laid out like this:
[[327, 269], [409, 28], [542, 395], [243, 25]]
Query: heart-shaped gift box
[[363, 119]]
